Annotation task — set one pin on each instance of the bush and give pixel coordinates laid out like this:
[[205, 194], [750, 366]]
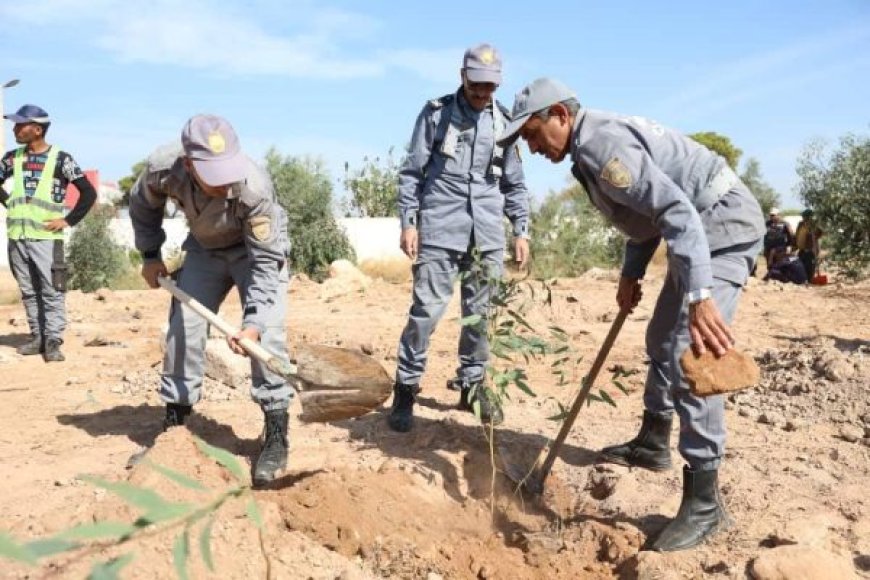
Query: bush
[[836, 186], [372, 188], [569, 236], [304, 191], [94, 258]]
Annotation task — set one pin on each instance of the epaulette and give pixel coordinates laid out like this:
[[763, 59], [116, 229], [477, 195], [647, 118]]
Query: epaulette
[[441, 101]]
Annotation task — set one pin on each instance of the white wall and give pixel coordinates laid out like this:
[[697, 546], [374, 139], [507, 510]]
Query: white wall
[[371, 238]]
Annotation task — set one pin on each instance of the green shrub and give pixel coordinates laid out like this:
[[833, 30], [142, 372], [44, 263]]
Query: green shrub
[[304, 190], [94, 258], [569, 236]]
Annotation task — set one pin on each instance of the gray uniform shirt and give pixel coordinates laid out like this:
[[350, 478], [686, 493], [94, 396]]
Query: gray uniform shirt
[[250, 220], [652, 182], [449, 185]]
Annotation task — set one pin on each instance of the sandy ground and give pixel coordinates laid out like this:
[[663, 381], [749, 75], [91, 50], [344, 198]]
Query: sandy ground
[[360, 501]]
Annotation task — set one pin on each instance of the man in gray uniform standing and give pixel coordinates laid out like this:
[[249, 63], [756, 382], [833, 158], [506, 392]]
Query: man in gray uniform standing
[[238, 236], [654, 183], [455, 187]]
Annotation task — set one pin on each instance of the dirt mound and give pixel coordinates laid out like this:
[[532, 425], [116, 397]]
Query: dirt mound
[[813, 381]]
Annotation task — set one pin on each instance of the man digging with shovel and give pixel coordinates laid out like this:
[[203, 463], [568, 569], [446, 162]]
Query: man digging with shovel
[[654, 183], [238, 236]]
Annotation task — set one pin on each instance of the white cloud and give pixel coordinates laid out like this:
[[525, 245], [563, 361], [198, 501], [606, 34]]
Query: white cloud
[[295, 39]]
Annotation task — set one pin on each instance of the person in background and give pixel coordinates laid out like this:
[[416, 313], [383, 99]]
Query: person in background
[[35, 224]]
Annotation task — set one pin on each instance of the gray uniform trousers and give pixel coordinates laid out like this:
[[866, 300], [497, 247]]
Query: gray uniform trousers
[[435, 272], [30, 262], [208, 276], [702, 419]]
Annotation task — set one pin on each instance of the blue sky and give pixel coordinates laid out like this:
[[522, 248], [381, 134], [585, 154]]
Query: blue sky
[[342, 80]]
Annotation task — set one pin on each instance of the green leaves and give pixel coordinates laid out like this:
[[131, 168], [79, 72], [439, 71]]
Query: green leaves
[[177, 477], [205, 544], [12, 550], [180, 552], [224, 458], [110, 570]]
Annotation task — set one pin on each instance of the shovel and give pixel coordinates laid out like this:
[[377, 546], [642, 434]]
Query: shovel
[[533, 479], [333, 383]]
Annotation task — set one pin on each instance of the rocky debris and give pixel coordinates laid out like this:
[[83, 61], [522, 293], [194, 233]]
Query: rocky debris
[[813, 381], [103, 341], [344, 278], [800, 562], [602, 482]]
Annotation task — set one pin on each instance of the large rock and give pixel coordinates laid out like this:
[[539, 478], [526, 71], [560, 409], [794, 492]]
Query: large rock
[[800, 562], [344, 278], [708, 375], [225, 366]]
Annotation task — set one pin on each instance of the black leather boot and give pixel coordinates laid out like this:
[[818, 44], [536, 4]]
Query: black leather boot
[[35, 346], [402, 416], [701, 513], [651, 449], [176, 415], [490, 412], [52, 351], [273, 457]]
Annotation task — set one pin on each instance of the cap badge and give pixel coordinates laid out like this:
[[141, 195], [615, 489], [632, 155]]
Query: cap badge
[[487, 57], [216, 142]]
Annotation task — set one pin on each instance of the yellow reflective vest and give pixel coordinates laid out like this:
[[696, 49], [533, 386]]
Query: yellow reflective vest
[[25, 216]]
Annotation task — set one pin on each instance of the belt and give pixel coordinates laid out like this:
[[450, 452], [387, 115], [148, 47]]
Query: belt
[[724, 180]]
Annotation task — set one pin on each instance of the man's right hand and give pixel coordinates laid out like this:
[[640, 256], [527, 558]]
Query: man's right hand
[[408, 242], [629, 293], [152, 270]]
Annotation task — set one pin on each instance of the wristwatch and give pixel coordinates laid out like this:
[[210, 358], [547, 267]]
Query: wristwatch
[[696, 296]]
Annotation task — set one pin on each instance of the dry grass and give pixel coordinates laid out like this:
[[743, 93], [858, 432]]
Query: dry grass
[[395, 270]]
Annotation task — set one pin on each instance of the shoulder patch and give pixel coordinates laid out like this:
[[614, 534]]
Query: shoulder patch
[[616, 174], [441, 101], [261, 227], [504, 110]]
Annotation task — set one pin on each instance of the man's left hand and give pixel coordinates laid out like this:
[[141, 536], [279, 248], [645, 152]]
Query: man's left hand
[[55, 225], [521, 252], [250, 333], [707, 328]]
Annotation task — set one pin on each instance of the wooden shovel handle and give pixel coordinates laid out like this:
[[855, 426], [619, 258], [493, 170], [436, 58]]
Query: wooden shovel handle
[[588, 381], [252, 348]]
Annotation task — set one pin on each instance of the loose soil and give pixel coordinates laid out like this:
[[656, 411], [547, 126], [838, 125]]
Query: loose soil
[[360, 501]]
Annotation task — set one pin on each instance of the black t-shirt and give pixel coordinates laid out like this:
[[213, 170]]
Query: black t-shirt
[[66, 171]]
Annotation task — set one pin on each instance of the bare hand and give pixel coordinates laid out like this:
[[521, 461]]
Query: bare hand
[[409, 242], [55, 225], [707, 329], [629, 293], [152, 270], [521, 251], [250, 333]]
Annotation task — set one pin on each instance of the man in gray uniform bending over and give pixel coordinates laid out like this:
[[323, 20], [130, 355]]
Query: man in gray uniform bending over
[[653, 183], [455, 187], [238, 236]]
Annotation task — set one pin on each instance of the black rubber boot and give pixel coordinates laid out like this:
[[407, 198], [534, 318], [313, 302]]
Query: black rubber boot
[[273, 456], [176, 415], [701, 513], [35, 346], [490, 412], [402, 416], [52, 351], [651, 449]]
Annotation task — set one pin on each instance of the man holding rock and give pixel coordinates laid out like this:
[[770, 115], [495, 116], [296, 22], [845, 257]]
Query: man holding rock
[[655, 184]]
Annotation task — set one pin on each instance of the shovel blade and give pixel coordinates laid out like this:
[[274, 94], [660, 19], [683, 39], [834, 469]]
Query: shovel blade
[[339, 383]]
